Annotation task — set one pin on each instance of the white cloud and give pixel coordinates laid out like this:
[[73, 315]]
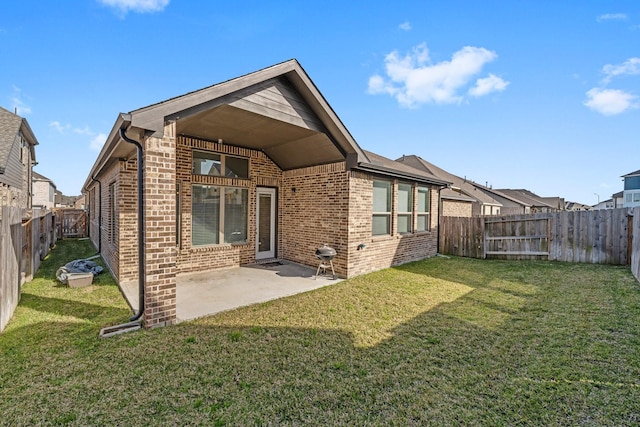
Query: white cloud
[[405, 26], [140, 6], [610, 102], [629, 67], [17, 103], [59, 126], [612, 17], [488, 85], [98, 141], [412, 79], [84, 131]]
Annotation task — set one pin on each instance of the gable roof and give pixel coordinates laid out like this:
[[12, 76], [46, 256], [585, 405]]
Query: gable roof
[[384, 166], [460, 186], [527, 197], [629, 175], [10, 126], [277, 110]]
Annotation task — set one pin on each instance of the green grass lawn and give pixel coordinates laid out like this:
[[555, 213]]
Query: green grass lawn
[[440, 342]]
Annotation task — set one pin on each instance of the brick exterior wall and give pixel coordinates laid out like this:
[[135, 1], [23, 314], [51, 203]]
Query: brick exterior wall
[[316, 205], [315, 210], [384, 251], [456, 208], [262, 173], [160, 228]]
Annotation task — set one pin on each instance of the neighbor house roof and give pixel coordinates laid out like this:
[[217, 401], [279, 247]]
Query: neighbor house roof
[[10, 126], [277, 110], [527, 197], [461, 188], [636, 173], [385, 166], [38, 177]]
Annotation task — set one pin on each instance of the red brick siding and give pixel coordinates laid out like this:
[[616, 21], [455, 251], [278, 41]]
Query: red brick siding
[[315, 213], [262, 172], [384, 251], [160, 229]]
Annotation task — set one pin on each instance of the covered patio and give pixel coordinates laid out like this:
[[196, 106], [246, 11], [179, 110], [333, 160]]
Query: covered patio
[[210, 292]]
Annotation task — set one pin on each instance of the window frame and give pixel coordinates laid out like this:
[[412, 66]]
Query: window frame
[[220, 232], [223, 164], [406, 188], [382, 214], [423, 213]]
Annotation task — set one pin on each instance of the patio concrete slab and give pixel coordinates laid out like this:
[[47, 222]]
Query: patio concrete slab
[[210, 292]]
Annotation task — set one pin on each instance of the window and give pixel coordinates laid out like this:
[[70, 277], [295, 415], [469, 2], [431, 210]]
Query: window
[[423, 209], [213, 164], [112, 212], [405, 208], [218, 215], [381, 208], [636, 197]]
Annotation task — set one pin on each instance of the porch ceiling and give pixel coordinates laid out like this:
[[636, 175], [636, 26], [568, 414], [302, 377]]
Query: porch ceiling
[[289, 145]]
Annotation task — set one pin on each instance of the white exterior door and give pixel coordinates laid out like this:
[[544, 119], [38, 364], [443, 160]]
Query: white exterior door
[[266, 223]]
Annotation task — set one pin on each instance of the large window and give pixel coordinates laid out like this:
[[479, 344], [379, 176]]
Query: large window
[[423, 209], [218, 215], [381, 207], [207, 163], [405, 208]]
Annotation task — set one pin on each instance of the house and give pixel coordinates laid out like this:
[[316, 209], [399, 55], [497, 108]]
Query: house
[[17, 158], [631, 189], [255, 168], [575, 206], [618, 199], [462, 198], [63, 201], [604, 204], [44, 192], [536, 203]]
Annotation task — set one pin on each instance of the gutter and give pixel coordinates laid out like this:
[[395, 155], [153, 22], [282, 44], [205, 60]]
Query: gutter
[[141, 250], [399, 174]]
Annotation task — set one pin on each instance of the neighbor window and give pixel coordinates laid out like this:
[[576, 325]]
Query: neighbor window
[[405, 208], [206, 163], [218, 215], [381, 207], [423, 209]]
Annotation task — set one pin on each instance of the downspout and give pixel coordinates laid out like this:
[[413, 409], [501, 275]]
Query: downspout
[[141, 251], [99, 214]]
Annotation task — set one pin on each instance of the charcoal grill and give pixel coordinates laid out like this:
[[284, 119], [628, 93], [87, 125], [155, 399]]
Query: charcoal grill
[[325, 254]]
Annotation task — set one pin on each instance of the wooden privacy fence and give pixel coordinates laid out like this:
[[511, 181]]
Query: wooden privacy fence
[[24, 242], [635, 243], [71, 223], [599, 236]]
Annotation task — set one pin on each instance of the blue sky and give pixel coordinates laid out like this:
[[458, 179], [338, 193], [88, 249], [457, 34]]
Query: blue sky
[[542, 95]]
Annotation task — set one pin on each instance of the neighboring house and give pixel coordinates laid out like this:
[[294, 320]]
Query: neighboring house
[[509, 205], [618, 199], [462, 198], [605, 204], [631, 189], [44, 192], [17, 158], [256, 168], [575, 206], [536, 203], [79, 202], [63, 201]]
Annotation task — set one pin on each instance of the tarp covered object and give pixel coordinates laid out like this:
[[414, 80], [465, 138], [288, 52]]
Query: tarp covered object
[[77, 266]]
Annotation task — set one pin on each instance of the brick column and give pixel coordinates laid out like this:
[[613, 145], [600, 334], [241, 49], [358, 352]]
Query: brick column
[[160, 229]]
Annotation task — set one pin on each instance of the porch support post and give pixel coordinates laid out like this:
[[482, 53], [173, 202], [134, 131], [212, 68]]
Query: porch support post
[[160, 228]]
